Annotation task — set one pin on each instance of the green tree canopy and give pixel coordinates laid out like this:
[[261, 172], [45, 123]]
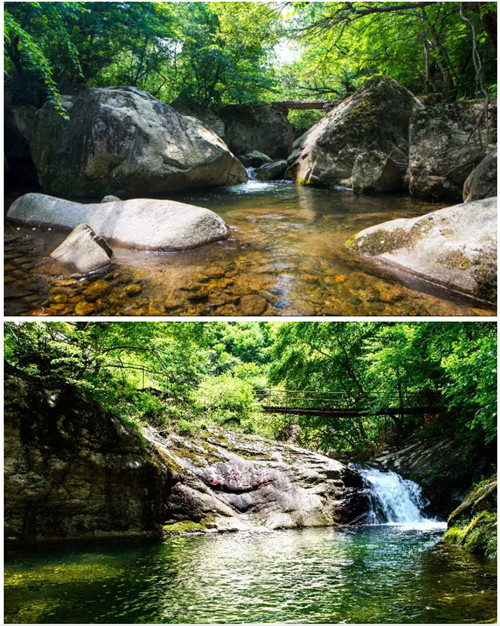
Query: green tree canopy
[[217, 53], [193, 374]]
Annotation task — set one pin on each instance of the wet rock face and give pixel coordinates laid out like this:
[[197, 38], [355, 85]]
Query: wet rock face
[[454, 247], [18, 125], [74, 471], [247, 483], [446, 144], [439, 467], [123, 141], [373, 121], [262, 128]]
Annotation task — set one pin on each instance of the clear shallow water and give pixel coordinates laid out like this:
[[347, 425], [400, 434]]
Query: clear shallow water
[[373, 574], [285, 256]]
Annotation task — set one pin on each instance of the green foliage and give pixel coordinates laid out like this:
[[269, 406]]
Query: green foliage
[[210, 52], [302, 121], [227, 399], [188, 375], [471, 370], [217, 53], [427, 47], [377, 365]]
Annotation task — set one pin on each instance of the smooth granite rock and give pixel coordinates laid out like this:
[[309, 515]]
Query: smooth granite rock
[[455, 247], [83, 250], [140, 223]]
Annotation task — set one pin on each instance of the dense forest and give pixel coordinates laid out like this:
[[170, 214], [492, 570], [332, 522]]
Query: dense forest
[[215, 53], [186, 377]]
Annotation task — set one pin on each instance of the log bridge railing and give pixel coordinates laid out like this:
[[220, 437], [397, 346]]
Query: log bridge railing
[[329, 404], [304, 104]]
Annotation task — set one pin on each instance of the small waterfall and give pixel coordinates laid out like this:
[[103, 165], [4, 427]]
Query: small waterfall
[[394, 500], [251, 173]]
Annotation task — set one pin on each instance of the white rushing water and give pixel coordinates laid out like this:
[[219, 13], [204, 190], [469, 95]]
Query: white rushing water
[[395, 500]]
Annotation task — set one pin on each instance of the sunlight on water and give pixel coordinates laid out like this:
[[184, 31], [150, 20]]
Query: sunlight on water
[[360, 575], [285, 255], [253, 186]]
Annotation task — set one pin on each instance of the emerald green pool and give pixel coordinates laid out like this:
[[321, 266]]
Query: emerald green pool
[[377, 574]]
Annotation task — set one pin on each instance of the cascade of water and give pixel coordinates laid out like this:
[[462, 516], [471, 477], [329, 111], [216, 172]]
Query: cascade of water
[[394, 500]]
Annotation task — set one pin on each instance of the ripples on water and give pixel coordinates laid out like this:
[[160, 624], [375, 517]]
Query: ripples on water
[[285, 256], [364, 575]]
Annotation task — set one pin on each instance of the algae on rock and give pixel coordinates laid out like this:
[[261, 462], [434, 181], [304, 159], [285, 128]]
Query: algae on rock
[[473, 524]]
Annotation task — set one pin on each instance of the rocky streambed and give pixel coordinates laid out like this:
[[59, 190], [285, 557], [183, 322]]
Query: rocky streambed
[[285, 255], [277, 248]]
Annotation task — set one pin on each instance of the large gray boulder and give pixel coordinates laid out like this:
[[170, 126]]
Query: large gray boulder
[[123, 141], [231, 481], [271, 171], [455, 247], [482, 181], [263, 128], [375, 172], [447, 141], [375, 118], [140, 223], [73, 470], [205, 116]]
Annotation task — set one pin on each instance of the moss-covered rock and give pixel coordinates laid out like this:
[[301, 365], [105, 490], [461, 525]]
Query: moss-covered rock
[[238, 481], [370, 127], [74, 471], [454, 247], [473, 524]]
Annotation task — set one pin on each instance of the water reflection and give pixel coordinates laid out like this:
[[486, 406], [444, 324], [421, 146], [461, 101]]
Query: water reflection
[[285, 256], [363, 575]]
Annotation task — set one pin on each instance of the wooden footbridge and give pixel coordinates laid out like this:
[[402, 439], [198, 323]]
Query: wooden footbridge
[[287, 105], [331, 404]]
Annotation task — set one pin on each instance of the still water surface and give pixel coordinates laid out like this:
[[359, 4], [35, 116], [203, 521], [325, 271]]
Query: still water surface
[[372, 574], [285, 256]]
